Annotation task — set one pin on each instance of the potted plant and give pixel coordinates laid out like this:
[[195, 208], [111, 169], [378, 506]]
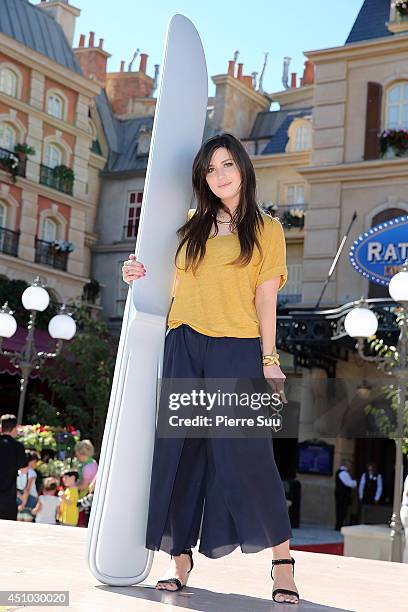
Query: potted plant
[[22, 150], [91, 291], [401, 7], [394, 143], [63, 246], [11, 164], [294, 217], [64, 173]]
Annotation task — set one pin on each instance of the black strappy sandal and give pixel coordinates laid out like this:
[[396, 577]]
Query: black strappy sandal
[[284, 591], [176, 581]]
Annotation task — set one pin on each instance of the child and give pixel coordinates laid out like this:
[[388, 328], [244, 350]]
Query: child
[[27, 495], [68, 511], [48, 503]]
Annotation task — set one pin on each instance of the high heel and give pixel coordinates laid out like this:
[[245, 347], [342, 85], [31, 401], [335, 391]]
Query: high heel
[[176, 581], [284, 591]]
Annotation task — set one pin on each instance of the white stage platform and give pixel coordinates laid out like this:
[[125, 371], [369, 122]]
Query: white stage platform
[[43, 557]]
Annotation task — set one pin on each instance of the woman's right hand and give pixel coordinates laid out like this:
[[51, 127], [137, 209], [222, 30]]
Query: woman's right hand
[[132, 269]]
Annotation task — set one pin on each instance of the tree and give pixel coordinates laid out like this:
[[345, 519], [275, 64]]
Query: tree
[[81, 378]]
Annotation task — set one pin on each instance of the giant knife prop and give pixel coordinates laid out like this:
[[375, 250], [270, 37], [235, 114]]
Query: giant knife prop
[[116, 532]]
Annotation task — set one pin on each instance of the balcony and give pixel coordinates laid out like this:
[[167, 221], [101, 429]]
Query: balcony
[[9, 242], [291, 216], [47, 254], [5, 157], [56, 182], [130, 229]]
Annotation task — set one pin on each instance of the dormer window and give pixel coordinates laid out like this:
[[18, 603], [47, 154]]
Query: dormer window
[[302, 140], [144, 139]]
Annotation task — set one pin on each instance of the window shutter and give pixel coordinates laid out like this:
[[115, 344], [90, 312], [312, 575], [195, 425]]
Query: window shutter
[[373, 120]]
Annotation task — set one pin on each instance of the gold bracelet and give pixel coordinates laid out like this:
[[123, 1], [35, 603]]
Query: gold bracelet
[[271, 359]]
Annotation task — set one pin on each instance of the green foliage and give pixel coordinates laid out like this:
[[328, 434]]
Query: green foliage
[[81, 378], [387, 419]]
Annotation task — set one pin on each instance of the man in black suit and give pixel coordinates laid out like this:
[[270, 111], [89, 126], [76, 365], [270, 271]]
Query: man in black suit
[[12, 458]]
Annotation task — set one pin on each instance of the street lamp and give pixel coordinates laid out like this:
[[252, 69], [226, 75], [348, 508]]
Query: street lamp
[[61, 327], [362, 323]]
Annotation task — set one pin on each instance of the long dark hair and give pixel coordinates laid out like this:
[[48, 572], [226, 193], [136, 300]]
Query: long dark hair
[[247, 216]]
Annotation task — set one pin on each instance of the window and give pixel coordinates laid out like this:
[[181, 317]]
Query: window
[[122, 292], [48, 230], [292, 291], [134, 208], [55, 106], [7, 136], [397, 106], [3, 215], [8, 82], [295, 194], [52, 156], [302, 138]]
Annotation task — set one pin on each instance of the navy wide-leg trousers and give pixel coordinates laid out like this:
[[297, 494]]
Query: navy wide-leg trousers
[[230, 487]]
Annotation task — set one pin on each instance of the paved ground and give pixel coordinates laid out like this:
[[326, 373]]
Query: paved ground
[[315, 534], [53, 557]]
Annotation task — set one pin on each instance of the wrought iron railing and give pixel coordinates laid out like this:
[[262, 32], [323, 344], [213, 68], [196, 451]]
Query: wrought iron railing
[[48, 178], [291, 216], [317, 338], [5, 155], [9, 241], [46, 253]]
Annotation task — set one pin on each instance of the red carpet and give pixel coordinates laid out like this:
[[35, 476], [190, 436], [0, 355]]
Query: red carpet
[[329, 549]]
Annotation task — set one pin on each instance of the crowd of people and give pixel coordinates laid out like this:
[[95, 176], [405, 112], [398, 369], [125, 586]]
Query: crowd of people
[[25, 496]]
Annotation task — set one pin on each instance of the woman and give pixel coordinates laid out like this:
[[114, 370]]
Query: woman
[[232, 258], [84, 452]]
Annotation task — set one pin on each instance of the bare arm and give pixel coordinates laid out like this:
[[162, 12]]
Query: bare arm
[[265, 304]]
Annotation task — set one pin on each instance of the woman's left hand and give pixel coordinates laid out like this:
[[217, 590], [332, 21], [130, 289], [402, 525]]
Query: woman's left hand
[[276, 380]]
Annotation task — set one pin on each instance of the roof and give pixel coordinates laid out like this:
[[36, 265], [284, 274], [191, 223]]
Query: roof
[[371, 21], [38, 30], [275, 125], [122, 136]]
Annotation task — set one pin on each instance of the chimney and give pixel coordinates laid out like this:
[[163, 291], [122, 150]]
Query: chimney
[[231, 67], [127, 90], [64, 13], [143, 62], [239, 74], [93, 60], [308, 74], [293, 82], [247, 79]]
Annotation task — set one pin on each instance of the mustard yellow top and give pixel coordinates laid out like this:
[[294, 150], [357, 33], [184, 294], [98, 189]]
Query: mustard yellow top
[[220, 299], [68, 510]]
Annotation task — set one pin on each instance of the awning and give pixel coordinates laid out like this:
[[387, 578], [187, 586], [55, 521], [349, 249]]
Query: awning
[[42, 342]]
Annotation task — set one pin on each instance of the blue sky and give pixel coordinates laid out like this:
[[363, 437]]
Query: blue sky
[[252, 28]]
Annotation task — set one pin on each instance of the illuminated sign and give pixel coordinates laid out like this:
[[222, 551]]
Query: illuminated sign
[[379, 253]]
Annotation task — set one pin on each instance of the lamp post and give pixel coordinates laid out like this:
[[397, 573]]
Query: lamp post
[[61, 327], [362, 323]]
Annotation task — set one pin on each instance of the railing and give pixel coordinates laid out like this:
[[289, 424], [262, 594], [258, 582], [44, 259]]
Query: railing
[[291, 216], [56, 182], [130, 229], [5, 155], [45, 253], [9, 241], [317, 338]]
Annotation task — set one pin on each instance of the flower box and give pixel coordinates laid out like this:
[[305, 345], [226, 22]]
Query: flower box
[[394, 143], [401, 9]]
